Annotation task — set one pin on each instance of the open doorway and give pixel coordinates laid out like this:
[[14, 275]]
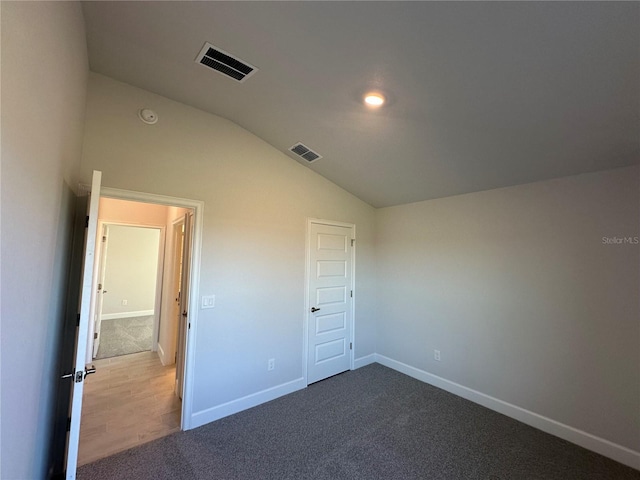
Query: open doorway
[[137, 336], [129, 283]]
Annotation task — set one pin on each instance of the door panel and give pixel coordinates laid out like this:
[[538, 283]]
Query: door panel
[[328, 269], [334, 349], [86, 287], [183, 323], [331, 242], [329, 316], [331, 323], [68, 341], [329, 295], [176, 271]]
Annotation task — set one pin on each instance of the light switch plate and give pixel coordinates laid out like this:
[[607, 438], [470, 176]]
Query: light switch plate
[[208, 301]]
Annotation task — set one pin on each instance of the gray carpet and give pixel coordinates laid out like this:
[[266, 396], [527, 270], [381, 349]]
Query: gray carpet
[[122, 336], [371, 423]]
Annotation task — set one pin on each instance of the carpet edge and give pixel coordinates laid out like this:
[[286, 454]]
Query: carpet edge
[[614, 451]]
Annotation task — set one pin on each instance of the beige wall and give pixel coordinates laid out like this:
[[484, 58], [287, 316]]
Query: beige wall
[[525, 302], [44, 82], [135, 213], [257, 201], [131, 270]]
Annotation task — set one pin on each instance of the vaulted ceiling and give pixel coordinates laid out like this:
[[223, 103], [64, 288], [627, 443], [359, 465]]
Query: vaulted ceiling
[[479, 95]]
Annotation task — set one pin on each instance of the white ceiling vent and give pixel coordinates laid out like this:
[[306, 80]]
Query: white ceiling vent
[[305, 153], [212, 57]]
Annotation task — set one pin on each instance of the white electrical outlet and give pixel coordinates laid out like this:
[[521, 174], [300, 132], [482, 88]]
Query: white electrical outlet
[[208, 301], [436, 355], [271, 364], [124, 302]]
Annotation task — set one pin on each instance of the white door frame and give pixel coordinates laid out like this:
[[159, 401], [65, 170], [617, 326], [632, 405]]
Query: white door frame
[[196, 249], [307, 305]]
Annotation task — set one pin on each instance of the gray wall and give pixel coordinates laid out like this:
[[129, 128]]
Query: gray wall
[[525, 302], [131, 270], [43, 100], [514, 286], [257, 201]]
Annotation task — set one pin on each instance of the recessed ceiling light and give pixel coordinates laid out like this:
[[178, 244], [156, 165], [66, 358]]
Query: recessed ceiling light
[[374, 99]]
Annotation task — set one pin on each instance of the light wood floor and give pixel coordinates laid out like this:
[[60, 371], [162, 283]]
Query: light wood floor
[[130, 400]]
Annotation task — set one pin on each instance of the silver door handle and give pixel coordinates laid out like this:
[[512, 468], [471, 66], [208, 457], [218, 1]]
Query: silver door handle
[[314, 309], [77, 377]]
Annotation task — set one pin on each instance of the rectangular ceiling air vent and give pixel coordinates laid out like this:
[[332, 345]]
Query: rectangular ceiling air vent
[[222, 62], [305, 152]]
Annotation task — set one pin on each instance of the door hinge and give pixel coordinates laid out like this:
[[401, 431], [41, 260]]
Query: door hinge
[[104, 238], [350, 345], [78, 320], [353, 242], [351, 293], [95, 335], [68, 424], [86, 222]]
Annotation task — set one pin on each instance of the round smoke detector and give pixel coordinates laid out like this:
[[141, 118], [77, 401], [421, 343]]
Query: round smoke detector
[[148, 116]]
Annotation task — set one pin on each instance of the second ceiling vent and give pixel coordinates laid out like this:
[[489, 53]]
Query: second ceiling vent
[[305, 153], [224, 63]]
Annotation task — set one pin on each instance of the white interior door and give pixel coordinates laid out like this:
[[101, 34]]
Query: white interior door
[[176, 277], [100, 290], [330, 300], [183, 323], [86, 288]]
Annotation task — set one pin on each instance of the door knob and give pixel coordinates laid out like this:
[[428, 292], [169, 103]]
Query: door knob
[[314, 309], [89, 371]]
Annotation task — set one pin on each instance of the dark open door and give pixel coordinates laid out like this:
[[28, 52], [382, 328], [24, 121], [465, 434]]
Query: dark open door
[[67, 376]]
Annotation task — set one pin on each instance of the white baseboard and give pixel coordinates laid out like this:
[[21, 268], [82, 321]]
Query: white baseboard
[[591, 442], [220, 411], [113, 316], [161, 355], [363, 361]]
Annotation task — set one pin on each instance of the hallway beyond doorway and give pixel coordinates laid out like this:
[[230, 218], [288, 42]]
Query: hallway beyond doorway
[[124, 336]]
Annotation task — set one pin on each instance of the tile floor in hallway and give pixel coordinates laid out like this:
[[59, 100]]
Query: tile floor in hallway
[[130, 400]]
